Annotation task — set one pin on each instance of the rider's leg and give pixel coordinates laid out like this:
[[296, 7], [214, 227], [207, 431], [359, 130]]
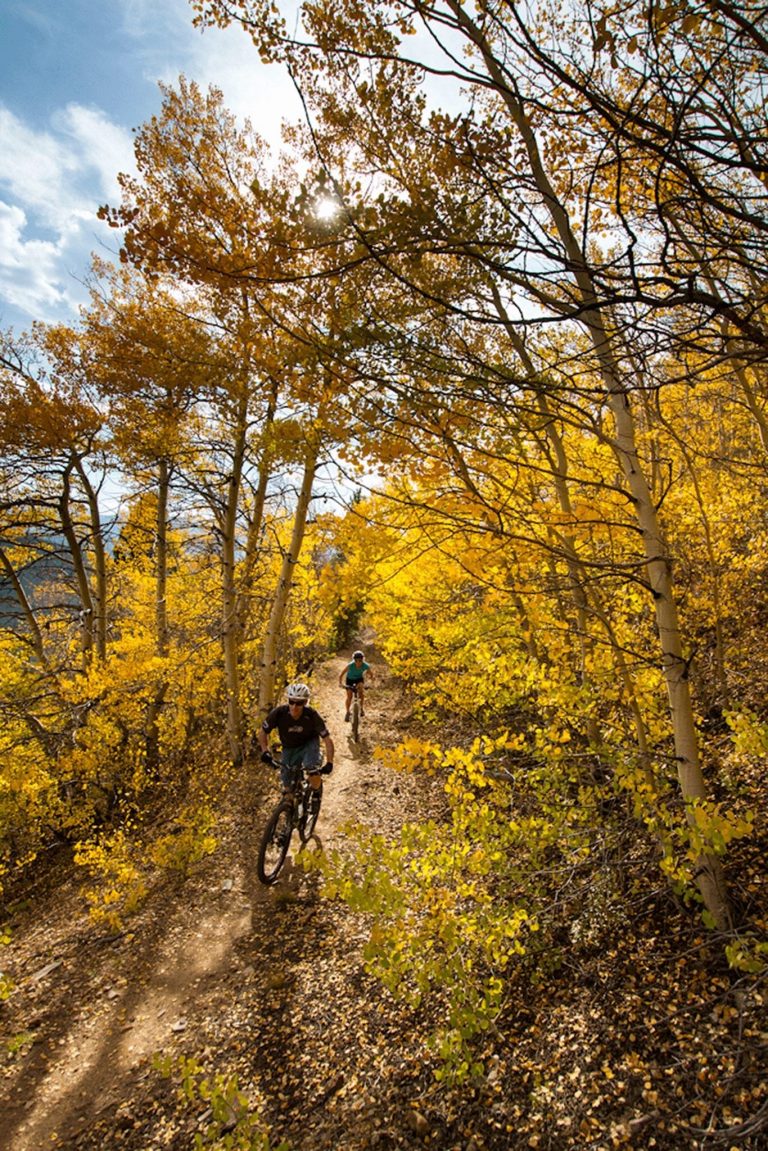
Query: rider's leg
[[291, 759], [316, 783], [311, 760], [361, 696], [348, 703]]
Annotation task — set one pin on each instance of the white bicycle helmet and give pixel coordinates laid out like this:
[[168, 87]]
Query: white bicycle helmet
[[298, 693], [357, 655]]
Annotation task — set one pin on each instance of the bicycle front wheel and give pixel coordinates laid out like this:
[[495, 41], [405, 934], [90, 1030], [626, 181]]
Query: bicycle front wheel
[[311, 811], [355, 720], [274, 842]]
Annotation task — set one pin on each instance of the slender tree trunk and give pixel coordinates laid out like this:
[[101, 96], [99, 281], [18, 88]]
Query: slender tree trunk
[[99, 562], [750, 396], [161, 558], [558, 462], [554, 451], [162, 644], [269, 664], [709, 875], [78, 563], [230, 620], [36, 636], [256, 523], [526, 626]]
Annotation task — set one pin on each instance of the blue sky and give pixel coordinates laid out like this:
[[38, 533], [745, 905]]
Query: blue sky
[[76, 76]]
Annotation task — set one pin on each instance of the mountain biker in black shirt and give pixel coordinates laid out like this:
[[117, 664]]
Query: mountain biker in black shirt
[[300, 729]]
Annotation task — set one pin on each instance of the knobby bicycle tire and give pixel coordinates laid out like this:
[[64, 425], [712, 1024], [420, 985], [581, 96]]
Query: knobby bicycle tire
[[355, 720], [275, 842], [311, 812]]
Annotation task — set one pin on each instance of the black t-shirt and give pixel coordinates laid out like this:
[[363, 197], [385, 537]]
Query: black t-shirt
[[295, 732]]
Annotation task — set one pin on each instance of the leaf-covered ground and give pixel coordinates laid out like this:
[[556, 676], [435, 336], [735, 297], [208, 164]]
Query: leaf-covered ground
[[640, 1037]]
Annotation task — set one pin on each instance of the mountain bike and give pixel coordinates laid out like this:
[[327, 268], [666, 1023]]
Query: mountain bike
[[354, 711], [297, 810]]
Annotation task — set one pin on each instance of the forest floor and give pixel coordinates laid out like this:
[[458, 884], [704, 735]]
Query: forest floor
[[625, 1047]]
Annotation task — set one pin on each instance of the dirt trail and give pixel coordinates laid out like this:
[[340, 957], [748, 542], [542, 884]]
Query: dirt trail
[[264, 983]]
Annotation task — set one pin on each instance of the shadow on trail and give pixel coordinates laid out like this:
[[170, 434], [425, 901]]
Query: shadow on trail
[[292, 928], [293, 880], [360, 750], [104, 1018], [81, 1065]]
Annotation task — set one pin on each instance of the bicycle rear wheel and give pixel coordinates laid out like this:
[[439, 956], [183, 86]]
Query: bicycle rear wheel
[[312, 800], [274, 842]]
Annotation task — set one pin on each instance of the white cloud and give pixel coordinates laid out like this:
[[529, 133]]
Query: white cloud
[[102, 146], [161, 25], [29, 269], [52, 182], [51, 173], [37, 171]]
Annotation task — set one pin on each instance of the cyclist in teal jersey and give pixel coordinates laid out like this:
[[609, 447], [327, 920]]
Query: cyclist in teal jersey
[[353, 676]]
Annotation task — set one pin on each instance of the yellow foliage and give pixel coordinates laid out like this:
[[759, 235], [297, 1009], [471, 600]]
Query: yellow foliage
[[119, 883], [190, 841], [411, 755]]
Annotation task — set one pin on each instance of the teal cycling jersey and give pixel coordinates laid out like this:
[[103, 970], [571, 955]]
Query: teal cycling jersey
[[356, 671]]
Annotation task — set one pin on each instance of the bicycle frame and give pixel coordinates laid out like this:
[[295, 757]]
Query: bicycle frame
[[297, 810], [355, 708]]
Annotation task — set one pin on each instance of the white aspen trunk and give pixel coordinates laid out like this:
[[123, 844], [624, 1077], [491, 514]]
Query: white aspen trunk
[[99, 562], [78, 563], [161, 563], [161, 610], [707, 872], [255, 525], [230, 620], [590, 606], [557, 458], [26, 607], [559, 468], [280, 601]]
